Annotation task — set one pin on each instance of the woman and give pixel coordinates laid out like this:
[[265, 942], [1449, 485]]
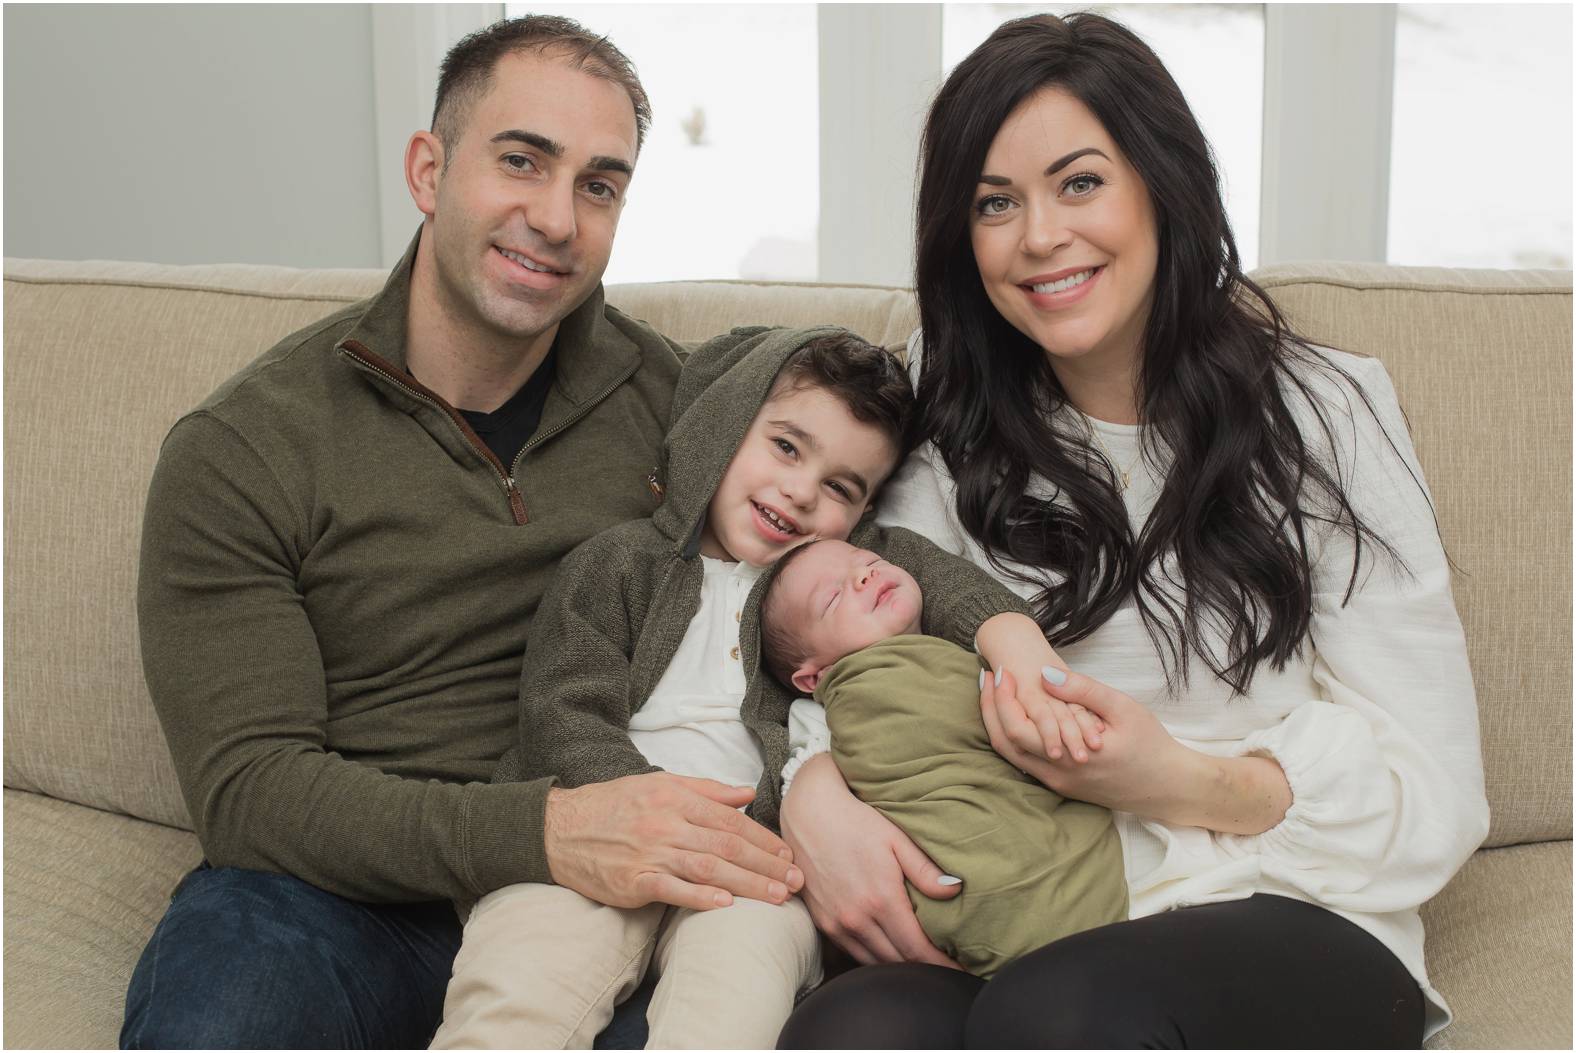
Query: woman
[[1225, 535]]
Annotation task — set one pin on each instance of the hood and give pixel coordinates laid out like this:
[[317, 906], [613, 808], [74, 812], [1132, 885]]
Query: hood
[[720, 390]]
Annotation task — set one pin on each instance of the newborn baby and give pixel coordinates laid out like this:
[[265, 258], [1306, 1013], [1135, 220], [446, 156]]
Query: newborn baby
[[904, 716]]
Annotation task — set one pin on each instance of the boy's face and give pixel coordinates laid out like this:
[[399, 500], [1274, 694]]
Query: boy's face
[[835, 599], [807, 469]]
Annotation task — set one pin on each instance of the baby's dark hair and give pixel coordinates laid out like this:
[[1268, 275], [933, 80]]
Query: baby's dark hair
[[867, 379], [781, 651]]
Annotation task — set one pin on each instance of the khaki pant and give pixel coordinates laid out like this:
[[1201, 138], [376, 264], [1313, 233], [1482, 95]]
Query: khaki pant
[[541, 967]]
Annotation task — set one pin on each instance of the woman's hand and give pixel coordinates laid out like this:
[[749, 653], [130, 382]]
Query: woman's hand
[[1140, 768], [854, 862], [1013, 643]]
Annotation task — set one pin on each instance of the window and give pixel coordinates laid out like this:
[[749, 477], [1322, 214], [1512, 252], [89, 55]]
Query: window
[[726, 184], [1216, 54], [1480, 162]]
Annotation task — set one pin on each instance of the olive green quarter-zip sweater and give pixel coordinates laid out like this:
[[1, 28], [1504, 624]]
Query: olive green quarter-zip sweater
[[337, 583], [623, 602]]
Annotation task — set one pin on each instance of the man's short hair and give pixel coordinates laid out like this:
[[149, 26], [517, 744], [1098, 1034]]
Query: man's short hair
[[467, 69], [866, 379]]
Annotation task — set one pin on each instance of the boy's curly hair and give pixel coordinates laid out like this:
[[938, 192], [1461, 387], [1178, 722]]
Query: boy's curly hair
[[869, 380]]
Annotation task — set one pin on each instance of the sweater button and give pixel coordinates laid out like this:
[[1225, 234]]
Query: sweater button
[[734, 654], [736, 616]]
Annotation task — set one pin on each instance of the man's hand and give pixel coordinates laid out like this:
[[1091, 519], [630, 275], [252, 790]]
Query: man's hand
[[855, 862], [667, 839]]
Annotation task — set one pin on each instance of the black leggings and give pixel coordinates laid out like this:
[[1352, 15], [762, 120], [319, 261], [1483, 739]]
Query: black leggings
[[1261, 972]]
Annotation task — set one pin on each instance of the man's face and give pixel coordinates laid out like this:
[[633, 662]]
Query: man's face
[[806, 469], [835, 599], [528, 201]]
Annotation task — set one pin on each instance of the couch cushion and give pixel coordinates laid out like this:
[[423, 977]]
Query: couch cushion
[[695, 310], [83, 892], [100, 360], [115, 352], [1499, 949], [1482, 363]]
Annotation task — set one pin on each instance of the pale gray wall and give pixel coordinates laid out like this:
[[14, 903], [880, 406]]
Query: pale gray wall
[[191, 134]]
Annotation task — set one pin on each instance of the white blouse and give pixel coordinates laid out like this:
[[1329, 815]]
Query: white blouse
[[1375, 723]]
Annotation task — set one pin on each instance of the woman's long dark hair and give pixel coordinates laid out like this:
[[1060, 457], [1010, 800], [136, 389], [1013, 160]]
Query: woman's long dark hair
[[1226, 548]]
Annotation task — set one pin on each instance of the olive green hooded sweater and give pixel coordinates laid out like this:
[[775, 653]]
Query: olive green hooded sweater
[[618, 611], [337, 583]]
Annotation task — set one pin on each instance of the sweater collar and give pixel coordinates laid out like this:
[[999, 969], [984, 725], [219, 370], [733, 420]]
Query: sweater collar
[[592, 353]]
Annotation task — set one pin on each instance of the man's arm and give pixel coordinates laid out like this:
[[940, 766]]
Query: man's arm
[[235, 672]]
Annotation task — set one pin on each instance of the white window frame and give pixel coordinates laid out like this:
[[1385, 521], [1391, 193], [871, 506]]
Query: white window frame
[[1329, 80], [408, 43], [880, 67], [1328, 87]]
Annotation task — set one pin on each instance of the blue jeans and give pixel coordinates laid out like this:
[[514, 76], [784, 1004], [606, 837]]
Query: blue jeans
[[248, 959]]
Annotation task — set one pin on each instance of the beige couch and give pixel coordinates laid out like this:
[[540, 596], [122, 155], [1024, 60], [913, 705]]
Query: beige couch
[[100, 358]]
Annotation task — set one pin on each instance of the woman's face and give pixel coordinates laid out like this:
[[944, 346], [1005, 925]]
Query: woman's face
[[1064, 236]]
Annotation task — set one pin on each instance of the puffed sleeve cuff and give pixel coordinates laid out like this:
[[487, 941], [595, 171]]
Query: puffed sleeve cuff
[[1341, 822], [807, 736], [505, 834]]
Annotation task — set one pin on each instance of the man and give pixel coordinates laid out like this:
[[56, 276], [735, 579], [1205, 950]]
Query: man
[[343, 549]]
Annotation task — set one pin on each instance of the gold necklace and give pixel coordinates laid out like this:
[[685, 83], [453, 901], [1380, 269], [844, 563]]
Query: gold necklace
[[1124, 474]]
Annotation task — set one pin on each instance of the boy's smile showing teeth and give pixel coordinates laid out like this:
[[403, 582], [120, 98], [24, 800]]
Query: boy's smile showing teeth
[[806, 468], [776, 520]]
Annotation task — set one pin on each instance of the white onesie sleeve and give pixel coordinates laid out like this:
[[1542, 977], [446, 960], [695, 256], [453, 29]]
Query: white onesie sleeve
[[807, 736]]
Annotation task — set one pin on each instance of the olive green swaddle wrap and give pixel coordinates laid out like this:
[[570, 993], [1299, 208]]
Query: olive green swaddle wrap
[[907, 735]]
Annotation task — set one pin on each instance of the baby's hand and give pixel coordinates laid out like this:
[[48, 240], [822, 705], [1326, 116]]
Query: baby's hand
[[1014, 643], [1066, 729]]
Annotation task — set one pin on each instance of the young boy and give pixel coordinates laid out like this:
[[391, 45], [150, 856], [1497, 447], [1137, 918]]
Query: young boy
[[902, 710], [644, 657]]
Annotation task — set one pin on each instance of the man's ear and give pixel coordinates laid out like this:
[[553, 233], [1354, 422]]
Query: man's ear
[[423, 170], [806, 677]]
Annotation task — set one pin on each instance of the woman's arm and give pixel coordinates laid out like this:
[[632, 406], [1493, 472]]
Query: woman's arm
[[1139, 768], [854, 862], [1384, 769], [1386, 765]]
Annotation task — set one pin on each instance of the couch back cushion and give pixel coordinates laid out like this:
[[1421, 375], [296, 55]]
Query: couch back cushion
[[100, 361], [101, 358], [1482, 363]]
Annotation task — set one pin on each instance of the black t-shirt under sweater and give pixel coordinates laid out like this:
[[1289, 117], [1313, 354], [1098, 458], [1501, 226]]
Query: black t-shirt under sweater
[[509, 427]]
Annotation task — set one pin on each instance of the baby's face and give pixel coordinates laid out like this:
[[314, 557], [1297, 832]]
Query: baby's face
[[836, 599]]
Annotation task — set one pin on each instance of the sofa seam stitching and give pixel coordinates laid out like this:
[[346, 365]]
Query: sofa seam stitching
[[1453, 288], [122, 283]]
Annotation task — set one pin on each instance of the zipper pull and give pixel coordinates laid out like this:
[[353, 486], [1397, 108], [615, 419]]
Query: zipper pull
[[516, 502]]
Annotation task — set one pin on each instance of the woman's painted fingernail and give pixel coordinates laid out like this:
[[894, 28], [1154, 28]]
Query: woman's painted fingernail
[[998, 676], [948, 880], [1053, 675], [982, 679]]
